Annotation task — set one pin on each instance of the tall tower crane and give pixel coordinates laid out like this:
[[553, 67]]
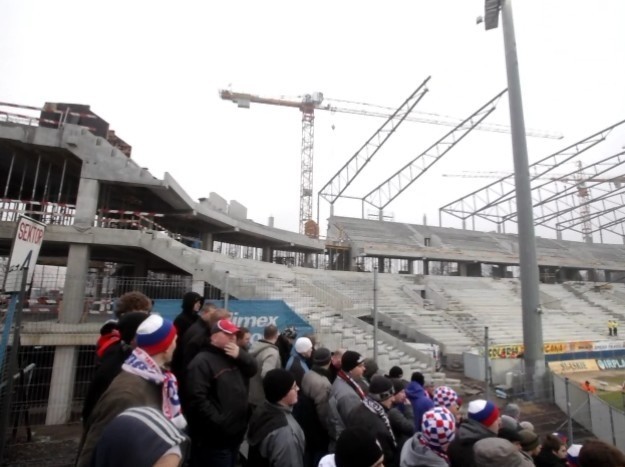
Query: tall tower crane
[[307, 105]]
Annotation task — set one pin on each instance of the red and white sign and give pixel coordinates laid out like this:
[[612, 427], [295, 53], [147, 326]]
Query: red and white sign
[[24, 253]]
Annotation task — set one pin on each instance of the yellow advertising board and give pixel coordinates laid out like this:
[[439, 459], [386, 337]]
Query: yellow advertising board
[[573, 366], [515, 350], [582, 346]]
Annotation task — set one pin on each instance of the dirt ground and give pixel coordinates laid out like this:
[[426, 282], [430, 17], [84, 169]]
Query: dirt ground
[[607, 381], [51, 446]]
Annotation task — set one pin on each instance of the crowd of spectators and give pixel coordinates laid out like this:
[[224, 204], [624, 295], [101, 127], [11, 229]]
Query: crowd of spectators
[[197, 392]]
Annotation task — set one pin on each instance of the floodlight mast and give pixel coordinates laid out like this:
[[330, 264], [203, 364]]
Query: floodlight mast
[[533, 355]]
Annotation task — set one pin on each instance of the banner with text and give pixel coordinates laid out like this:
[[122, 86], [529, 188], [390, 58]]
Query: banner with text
[[573, 366], [516, 350], [611, 364]]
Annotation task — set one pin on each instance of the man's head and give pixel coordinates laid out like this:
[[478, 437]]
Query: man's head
[[290, 334], [511, 435], [337, 355], [371, 368], [192, 302], [353, 363], [417, 377], [399, 386], [132, 301], [595, 452], [381, 390], [304, 347], [157, 337], [486, 413], [243, 338], [208, 312], [321, 358], [438, 428], [271, 333], [128, 324], [512, 410], [529, 442], [357, 447], [280, 388], [223, 332], [396, 372], [445, 396]]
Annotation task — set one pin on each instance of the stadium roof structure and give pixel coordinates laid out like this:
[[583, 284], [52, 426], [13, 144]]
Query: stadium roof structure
[[385, 239], [587, 199]]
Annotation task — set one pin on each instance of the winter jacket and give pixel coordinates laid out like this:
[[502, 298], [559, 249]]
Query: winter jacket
[[275, 438], [460, 450], [313, 413], [110, 366], [183, 322], [195, 339], [420, 402], [415, 454], [267, 358], [547, 458], [216, 397], [343, 399], [362, 417], [403, 428], [297, 366], [126, 391]]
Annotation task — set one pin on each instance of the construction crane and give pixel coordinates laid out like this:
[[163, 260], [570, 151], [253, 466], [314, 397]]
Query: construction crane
[[307, 105]]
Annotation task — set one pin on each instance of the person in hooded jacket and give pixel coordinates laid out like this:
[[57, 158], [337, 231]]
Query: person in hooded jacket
[[482, 422], [191, 304], [297, 363], [274, 437], [267, 357], [552, 453], [428, 448], [418, 398]]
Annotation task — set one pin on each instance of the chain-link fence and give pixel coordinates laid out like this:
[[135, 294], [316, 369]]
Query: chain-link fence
[[590, 411]]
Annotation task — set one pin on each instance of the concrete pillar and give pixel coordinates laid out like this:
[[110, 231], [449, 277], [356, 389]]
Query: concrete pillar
[[462, 269], [267, 254], [65, 357], [608, 275], [426, 267], [380, 264], [410, 266], [592, 275], [207, 241]]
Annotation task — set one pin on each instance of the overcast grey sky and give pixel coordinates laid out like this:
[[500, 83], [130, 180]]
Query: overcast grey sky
[[153, 70]]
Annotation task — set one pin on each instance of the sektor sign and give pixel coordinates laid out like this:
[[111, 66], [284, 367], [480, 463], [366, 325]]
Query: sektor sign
[[24, 253]]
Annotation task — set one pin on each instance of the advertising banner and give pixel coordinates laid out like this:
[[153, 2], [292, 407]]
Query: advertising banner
[[515, 350], [611, 364], [573, 366], [608, 345]]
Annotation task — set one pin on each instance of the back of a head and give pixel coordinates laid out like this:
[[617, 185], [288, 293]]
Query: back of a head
[[132, 301], [128, 324], [357, 447], [371, 368], [418, 378], [552, 442], [270, 332], [396, 372], [512, 410], [595, 453], [189, 300]]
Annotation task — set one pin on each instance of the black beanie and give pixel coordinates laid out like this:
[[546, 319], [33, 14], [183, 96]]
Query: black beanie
[[128, 324], [277, 383], [357, 447], [381, 388], [351, 360]]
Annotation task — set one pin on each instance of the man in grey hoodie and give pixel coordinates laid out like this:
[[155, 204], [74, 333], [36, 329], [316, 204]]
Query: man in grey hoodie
[[275, 438], [267, 357], [429, 447]]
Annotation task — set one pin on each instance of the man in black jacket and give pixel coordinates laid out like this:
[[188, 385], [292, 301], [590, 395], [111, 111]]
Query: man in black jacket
[[217, 398], [191, 304]]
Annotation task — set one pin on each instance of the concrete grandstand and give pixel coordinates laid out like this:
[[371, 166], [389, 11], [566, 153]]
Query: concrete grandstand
[[103, 209]]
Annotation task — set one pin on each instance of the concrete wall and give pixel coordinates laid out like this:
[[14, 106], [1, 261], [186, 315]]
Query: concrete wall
[[474, 367]]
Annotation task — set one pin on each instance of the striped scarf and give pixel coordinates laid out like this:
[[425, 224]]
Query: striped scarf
[[141, 364], [378, 409]]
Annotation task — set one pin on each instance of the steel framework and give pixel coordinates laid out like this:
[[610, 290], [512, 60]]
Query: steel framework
[[382, 195], [339, 182], [561, 201]]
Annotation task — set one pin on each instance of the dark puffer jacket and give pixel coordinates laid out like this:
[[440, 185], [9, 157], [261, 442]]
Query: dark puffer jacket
[[460, 450]]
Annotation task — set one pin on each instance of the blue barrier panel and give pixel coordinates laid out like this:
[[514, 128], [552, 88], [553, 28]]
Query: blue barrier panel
[[252, 314]]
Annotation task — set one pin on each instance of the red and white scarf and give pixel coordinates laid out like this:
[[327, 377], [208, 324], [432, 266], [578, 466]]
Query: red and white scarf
[[141, 364]]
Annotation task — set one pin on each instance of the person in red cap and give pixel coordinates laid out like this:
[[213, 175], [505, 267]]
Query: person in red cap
[[217, 398], [144, 381]]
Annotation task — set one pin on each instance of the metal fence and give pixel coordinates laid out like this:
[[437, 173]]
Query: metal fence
[[590, 411], [338, 306]]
